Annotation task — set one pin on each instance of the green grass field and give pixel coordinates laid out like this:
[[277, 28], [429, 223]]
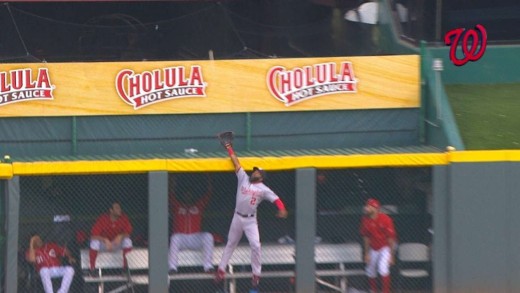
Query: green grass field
[[488, 116]]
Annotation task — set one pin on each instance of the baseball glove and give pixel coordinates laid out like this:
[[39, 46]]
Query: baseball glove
[[226, 138]]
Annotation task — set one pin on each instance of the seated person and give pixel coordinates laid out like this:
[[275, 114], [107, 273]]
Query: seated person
[[187, 224], [46, 258], [110, 232]]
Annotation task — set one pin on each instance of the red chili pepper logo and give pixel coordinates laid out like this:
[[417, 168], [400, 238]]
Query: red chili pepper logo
[[469, 49]]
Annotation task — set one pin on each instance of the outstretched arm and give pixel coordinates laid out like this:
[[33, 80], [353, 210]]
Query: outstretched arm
[[233, 157], [204, 200]]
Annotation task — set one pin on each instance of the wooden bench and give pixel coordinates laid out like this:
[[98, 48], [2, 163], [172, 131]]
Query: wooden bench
[[277, 262]]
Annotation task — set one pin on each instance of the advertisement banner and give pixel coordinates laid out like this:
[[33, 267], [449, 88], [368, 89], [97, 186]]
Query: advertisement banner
[[224, 86]]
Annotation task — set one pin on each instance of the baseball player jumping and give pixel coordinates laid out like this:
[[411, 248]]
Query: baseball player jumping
[[379, 238], [250, 192]]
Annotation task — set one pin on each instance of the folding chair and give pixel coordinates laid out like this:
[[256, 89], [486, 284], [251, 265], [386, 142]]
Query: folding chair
[[413, 263]]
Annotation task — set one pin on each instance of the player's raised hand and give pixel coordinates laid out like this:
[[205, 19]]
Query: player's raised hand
[[226, 139], [33, 241]]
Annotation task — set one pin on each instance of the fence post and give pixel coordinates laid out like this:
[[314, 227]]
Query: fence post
[[158, 231], [305, 230], [13, 217]]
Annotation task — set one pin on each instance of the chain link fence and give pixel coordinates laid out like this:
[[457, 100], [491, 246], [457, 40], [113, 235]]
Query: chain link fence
[[63, 209]]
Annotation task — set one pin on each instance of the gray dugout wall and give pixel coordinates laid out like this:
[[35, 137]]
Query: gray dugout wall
[[153, 135], [476, 227]]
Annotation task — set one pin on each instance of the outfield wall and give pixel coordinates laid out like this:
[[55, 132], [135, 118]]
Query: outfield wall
[[473, 193], [153, 108], [475, 224], [169, 135], [499, 64]]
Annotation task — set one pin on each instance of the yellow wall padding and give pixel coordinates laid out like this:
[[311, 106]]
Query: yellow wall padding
[[268, 163], [486, 156], [6, 171]]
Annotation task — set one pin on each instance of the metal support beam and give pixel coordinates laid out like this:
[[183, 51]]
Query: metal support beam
[[12, 194], [158, 231], [305, 230]]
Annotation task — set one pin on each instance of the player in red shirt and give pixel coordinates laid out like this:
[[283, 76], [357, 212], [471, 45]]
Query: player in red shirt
[[110, 232], [187, 224], [379, 239], [46, 258]]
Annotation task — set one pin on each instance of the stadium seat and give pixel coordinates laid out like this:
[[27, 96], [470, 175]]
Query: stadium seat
[[413, 265]]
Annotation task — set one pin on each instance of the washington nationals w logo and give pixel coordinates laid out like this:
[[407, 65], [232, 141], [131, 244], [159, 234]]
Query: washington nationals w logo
[[469, 50]]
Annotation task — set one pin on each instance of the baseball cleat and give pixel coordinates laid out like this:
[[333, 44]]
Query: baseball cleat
[[220, 275], [255, 281]]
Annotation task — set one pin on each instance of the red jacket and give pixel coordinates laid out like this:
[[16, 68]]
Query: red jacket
[[107, 228], [47, 256], [378, 230], [187, 218]]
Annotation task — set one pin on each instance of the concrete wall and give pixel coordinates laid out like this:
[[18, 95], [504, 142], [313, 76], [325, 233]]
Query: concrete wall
[[476, 226]]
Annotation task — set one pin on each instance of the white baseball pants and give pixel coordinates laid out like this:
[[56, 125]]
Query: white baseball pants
[[195, 241], [100, 245], [66, 272], [379, 262], [249, 226]]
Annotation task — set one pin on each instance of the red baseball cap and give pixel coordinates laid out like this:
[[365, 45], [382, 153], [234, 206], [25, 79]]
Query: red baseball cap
[[374, 203]]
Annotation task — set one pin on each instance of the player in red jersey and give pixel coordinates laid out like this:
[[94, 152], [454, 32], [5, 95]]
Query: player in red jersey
[[110, 232], [379, 237], [187, 223], [46, 258]]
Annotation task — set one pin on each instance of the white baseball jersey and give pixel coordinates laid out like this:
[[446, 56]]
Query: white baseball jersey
[[250, 195]]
